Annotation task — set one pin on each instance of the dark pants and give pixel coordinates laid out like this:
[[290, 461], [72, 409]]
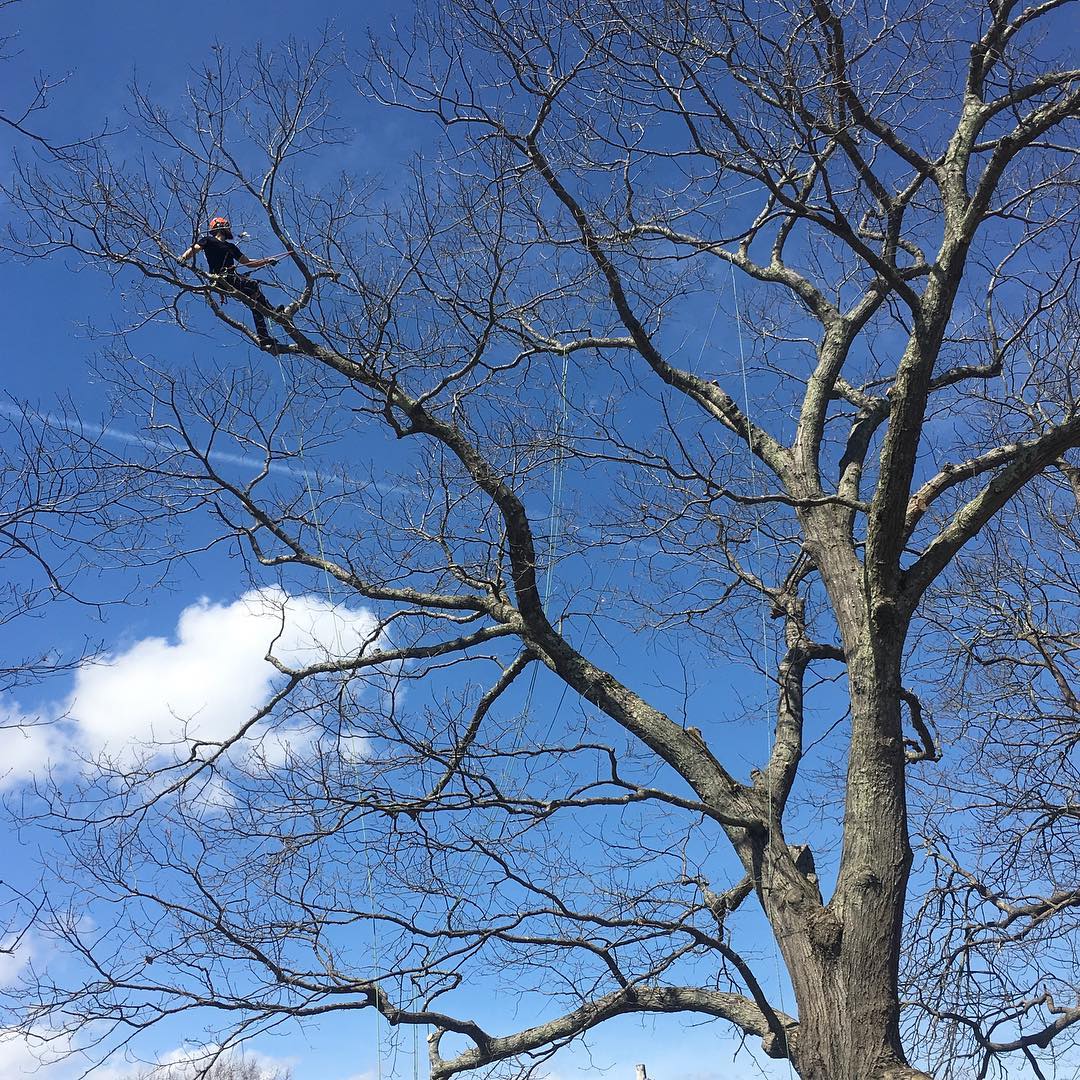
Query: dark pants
[[250, 290]]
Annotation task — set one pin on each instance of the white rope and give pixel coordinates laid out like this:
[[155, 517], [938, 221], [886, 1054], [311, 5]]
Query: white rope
[[766, 652], [554, 537], [554, 532], [472, 874], [557, 473], [328, 581]]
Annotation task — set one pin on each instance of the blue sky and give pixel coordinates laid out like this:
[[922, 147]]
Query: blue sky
[[161, 640], [165, 644]]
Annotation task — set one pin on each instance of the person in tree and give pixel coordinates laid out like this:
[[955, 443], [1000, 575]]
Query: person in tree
[[222, 257]]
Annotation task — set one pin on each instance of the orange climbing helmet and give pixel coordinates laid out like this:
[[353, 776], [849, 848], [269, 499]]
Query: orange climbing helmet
[[219, 223]]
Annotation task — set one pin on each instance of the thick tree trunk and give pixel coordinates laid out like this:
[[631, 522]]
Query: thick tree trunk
[[843, 958]]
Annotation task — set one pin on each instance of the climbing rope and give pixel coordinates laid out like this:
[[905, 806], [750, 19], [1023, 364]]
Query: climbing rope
[[766, 651], [554, 535], [328, 582], [554, 538], [554, 531]]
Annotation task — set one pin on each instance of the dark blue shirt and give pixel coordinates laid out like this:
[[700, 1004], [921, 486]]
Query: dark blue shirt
[[220, 254]]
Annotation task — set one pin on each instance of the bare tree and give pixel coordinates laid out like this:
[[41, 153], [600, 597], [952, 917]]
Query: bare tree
[[875, 207], [1011, 687], [54, 503], [65, 532], [218, 1068], [20, 115]]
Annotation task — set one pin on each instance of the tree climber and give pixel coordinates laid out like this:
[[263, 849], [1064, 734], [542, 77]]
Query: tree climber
[[221, 257]]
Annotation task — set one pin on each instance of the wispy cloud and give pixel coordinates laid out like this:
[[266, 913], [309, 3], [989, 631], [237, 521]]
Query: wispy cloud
[[87, 429], [90, 428]]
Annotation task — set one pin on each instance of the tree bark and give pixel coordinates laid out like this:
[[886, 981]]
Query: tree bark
[[843, 956]]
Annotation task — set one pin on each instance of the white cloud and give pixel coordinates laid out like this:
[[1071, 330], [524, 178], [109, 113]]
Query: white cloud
[[184, 1063], [46, 1057], [27, 746], [36, 1055], [201, 684], [15, 954]]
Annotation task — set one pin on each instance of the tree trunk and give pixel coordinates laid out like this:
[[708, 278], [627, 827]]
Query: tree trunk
[[844, 957]]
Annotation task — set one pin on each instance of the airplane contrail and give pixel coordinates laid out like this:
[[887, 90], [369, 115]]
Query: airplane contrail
[[78, 426]]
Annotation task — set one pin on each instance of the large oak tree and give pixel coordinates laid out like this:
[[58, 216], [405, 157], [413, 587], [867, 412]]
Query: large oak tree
[[742, 336]]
